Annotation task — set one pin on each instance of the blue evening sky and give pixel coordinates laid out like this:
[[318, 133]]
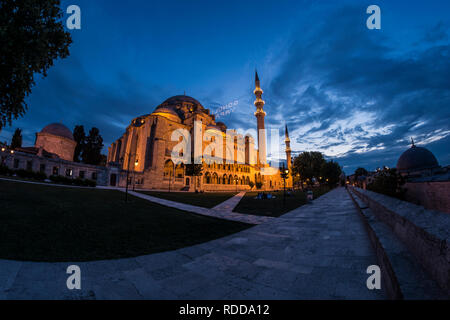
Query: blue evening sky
[[357, 95]]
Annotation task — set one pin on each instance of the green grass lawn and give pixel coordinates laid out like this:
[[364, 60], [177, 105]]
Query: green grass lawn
[[206, 200], [275, 207], [44, 223]]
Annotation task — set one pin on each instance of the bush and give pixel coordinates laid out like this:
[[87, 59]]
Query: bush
[[73, 182], [5, 171], [27, 174], [389, 183]]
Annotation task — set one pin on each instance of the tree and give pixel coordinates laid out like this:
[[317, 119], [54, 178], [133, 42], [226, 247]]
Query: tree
[[308, 165], [194, 170], [360, 172], [331, 172], [32, 37], [80, 138], [16, 141], [388, 182], [93, 147]]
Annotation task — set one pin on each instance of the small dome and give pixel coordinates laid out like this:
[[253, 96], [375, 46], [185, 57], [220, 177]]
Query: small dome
[[58, 129], [416, 158], [213, 127], [222, 126]]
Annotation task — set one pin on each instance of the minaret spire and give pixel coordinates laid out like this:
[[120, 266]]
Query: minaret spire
[[412, 143], [260, 114], [287, 141]]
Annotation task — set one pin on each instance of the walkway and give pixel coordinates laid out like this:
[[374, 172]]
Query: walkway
[[318, 251], [221, 211]]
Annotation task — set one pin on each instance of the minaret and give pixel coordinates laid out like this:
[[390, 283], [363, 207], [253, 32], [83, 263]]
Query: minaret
[[260, 114], [287, 141]]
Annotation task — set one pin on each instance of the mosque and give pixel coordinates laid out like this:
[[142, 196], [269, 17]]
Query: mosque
[[145, 150]]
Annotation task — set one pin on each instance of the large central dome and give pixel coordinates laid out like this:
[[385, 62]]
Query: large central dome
[[180, 99], [180, 106]]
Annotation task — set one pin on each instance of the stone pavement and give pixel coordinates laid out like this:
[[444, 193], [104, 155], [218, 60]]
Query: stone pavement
[[231, 203], [318, 251], [221, 211]]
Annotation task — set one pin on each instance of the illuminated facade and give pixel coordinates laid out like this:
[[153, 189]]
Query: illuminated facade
[[147, 150]]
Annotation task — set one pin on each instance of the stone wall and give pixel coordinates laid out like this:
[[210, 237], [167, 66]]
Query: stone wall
[[60, 146], [426, 233], [49, 166], [433, 195]]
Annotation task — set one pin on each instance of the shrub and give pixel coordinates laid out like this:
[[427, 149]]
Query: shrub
[[5, 171], [388, 182], [73, 182]]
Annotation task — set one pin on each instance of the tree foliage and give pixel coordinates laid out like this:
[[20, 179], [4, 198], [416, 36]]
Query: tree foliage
[[16, 141], [91, 153], [308, 165], [331, 172], [388, 182], [80, 138], [32, 37], [360, 172]]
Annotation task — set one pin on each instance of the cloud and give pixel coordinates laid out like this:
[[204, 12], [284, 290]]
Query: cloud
[[344, 91]]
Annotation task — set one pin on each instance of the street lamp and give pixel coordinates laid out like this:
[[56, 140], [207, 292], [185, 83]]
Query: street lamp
[[136, 163], [284, 175], [170, 174], [139, 122]]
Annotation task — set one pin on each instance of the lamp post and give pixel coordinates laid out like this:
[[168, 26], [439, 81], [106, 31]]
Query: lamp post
[[136, 163], [138, 122], [284, 175], [170, 174]]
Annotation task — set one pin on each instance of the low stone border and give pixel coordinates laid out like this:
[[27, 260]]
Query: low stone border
[[389, 279], [424, 232]]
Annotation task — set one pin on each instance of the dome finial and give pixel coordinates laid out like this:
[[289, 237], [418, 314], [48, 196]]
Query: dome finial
[[412, 143]]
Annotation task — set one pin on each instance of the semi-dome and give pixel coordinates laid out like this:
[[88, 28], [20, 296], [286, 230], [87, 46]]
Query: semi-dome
[[168, 113], [415, 159], [58, 129]]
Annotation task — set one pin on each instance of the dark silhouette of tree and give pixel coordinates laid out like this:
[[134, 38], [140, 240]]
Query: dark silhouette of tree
[[16, 141], [388, 182], [32, 37], [360, 172], [331, 172], [308, 165], [93, 147], [80, 138]]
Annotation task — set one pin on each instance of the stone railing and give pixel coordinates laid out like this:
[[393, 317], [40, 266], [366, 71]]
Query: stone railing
[[425, 233]]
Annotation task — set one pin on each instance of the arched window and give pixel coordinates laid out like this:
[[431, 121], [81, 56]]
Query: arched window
[[168, 169], [179, 171], [214, 178], [207, 178]]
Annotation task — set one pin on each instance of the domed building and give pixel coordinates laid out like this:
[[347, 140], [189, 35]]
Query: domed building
[[417, 160], [147, 145], [57, 139]]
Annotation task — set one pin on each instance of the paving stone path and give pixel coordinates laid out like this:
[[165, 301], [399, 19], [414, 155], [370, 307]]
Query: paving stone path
[[318, 251], [222, 211]]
